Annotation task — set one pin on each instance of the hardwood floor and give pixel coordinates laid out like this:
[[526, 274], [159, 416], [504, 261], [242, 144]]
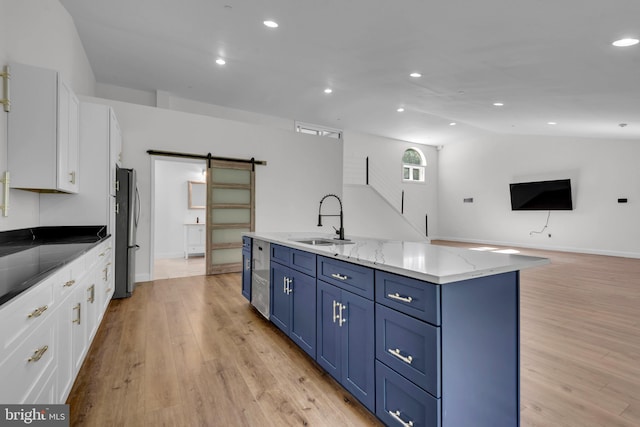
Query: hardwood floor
[[579, 341], [192, 351]]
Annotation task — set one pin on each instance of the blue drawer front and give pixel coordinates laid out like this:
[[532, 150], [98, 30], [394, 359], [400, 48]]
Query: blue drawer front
[[412, 296], [354, 278], [302, 261], [246, 243], [409, 346], [400, 401], [280, 254]]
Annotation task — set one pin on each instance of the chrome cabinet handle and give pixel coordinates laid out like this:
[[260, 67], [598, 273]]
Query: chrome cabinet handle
[[77, 307], [289, 288], [247, 264], [396, 416], [38, 311], [335, 304], [396, 353], [341, 320], [72, 177], [397, 296], [37, 355], [339, 276], [69, 283]]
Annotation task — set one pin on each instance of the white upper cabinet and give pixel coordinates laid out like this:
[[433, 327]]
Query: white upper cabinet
[[43, 131], [94, 204]]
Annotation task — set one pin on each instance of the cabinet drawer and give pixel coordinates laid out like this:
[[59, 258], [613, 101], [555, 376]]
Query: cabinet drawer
[[24, 369], [409, 346], [69, 278], [412, 296], [280, 254], [302, 261], [246, 243], [399, 401], [21, 315], [352, 277]]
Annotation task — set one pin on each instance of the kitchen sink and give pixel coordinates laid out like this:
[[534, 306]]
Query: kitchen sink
[[321, 241]]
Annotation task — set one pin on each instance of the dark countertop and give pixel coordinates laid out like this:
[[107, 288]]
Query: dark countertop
[[28, 256]]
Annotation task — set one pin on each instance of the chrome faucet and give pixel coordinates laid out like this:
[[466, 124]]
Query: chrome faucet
[[339, 232]]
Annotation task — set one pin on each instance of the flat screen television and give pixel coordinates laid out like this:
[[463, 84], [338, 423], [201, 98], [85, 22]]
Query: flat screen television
[[541, 195]]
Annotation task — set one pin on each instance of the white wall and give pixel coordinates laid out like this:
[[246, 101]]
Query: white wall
[[40, 33], [379, 221], [171, 204], [300, 168], [601, 172], [385, 159]]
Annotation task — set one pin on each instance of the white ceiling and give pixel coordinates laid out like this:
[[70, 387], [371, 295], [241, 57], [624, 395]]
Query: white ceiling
[[546, 60]]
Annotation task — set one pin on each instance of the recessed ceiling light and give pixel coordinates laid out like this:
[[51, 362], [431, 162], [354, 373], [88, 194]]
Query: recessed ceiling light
[[220, 61], [498, 104], [625, 42], [552, 123], [400, 110], [271, 24], [328, 90], [415, 75], [452, 124]]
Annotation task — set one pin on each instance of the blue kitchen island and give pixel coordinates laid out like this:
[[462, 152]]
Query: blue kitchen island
[[421, 335]]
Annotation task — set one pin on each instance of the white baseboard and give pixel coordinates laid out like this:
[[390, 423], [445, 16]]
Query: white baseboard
[[590, 251]]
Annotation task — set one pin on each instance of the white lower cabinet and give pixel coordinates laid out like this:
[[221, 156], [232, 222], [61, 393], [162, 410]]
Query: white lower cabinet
[[45, 332]]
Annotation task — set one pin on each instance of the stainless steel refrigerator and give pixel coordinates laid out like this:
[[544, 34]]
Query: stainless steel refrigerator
[[127, 216]]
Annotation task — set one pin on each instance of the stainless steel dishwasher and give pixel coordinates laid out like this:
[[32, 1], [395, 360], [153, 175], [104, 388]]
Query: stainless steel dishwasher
[[260, 276]]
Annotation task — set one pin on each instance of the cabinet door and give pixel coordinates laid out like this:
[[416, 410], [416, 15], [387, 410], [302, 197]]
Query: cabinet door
[[71, 342], [303, 311], [280, 300], [358, 349], [328, 331], [246, 274], [68, 138], [91, 307]]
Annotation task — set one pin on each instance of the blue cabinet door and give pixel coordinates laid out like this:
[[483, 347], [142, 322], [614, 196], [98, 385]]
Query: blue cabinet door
[[280, 300], [246, 274], [303, 311], [328, 333], [358, 349], [345, 346]]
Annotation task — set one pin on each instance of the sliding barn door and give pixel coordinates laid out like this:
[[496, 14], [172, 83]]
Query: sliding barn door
[[230, 212]]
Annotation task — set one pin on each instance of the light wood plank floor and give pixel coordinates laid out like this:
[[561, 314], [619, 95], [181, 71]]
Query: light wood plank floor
[[192, 351]]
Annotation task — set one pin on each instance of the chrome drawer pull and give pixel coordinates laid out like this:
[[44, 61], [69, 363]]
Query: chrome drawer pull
[[334, 311], [69, 283], [37, 355], [396, 353], [397, 296], [38, 311], [339, 276], [396, 416], [341, 320]]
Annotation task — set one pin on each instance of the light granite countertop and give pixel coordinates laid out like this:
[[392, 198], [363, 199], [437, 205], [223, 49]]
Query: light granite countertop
[[420, 260]]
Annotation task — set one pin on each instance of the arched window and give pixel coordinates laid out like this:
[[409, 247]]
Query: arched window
[[413, 164]]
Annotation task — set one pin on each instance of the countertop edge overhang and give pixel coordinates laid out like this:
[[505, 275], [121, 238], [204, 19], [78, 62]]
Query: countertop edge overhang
[[419, 260]]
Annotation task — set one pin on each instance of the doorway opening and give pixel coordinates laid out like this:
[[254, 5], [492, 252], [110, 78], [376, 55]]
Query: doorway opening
[[179, 234]]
